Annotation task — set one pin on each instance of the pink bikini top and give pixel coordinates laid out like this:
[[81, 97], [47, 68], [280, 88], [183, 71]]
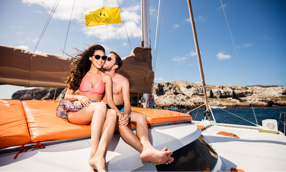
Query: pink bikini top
[[86, 88]]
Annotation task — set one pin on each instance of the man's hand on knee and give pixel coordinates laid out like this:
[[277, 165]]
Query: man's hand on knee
[[123, 120]]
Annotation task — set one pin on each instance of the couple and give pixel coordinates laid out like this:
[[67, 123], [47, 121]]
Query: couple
[[92, 84]]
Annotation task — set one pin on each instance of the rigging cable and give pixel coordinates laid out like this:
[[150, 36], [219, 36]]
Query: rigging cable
[[39, 40], [240, 117], [106, 28], [157, 34], [46, 25], [168, 46], [125, 28], [68, 28], [115, 30], [234, 46]]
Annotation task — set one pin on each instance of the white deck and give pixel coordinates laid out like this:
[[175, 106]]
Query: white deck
[[253, 151], [73, 156]]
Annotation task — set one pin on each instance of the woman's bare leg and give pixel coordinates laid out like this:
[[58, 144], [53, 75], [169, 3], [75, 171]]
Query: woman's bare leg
[[95, 113], [98, 160]]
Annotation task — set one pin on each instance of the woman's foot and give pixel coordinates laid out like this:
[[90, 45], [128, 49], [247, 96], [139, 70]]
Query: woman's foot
[[97, 164], [157, 157]]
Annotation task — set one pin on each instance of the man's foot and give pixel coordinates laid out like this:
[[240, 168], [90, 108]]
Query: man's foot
[[169, 153], [157, 157], [97, 164]]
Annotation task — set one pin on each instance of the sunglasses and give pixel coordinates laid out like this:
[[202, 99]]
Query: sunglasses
[[109, 59], [97, 57]]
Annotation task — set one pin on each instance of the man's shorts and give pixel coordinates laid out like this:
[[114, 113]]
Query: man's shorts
[[119, 107], [66, 106]]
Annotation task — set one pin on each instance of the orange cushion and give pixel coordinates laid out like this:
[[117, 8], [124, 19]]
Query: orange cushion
[[156, 116], [45, 125], [13, 127]]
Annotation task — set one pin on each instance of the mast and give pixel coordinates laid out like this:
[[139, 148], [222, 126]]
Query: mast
[[146, 41], [207, 112]]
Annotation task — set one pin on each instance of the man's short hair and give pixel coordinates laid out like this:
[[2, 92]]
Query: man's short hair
[[118, 60]]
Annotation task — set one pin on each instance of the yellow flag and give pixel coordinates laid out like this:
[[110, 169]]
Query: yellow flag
[[103, 16]]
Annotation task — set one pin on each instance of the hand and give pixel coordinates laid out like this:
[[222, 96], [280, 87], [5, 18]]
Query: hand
[[123, 119], [83, 100], [77, 103]]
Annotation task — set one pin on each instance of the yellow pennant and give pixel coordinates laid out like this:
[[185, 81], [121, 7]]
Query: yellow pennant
[[103, 16]]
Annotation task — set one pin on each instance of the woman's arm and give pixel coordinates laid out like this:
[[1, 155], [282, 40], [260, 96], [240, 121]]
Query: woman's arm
[[71, 97]]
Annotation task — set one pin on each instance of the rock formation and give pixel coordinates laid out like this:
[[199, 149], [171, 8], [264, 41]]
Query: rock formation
[[183, 93], [38, 94]]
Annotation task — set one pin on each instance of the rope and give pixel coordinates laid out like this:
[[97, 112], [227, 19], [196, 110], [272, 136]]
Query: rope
[[157, 34], [196, 108], [168, 46], [123, 21], [115, 31], [40, 38], [234, 46], [46, 25], [254, 115], [68, 28]]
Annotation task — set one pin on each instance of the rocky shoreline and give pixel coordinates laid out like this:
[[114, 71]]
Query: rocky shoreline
[[183, 94]]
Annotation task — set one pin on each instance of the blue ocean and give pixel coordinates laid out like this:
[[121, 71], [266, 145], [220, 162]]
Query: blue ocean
[[226, 115]]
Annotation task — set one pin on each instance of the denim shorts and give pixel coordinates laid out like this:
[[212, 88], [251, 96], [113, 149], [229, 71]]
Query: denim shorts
[[66, 106]]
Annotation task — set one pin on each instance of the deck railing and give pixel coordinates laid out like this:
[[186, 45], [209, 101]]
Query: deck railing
[[283, 122]]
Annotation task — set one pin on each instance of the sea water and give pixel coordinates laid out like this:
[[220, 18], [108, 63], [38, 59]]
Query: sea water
[[226, 115]]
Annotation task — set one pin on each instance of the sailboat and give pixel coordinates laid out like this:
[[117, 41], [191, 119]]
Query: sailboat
[[40, 141]]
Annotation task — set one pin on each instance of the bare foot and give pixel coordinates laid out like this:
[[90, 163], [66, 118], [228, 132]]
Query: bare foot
[[169, 153], [97, 164], [157, 157]]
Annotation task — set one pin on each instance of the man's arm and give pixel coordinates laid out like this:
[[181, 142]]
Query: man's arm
[[126, 97]]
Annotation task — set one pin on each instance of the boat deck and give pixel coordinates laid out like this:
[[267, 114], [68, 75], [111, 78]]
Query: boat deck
[[252, 151], [73, 156]]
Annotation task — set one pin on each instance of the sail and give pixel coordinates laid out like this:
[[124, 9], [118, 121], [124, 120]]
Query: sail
[[137, 68], [23, 68]]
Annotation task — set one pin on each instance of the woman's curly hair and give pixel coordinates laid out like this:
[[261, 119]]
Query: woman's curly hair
[[81, 65]]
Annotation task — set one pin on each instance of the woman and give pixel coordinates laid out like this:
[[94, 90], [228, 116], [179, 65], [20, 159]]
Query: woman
[[83, 105]]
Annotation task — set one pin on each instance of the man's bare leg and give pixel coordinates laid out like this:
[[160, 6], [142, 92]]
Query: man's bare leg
[[130, 138], [97, 162], [142, 142]]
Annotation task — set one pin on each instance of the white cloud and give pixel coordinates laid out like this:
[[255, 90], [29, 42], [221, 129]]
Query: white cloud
[[200, 18], [129, 14], [193, 53], [25, 47], [222, 56], [248, 45], [124, 44], [198, 82], [223, 5], [159, 79], [153, 12], [179, 59], [176, 26], [197, 19]]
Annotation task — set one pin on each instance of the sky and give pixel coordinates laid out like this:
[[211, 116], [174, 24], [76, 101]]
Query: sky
[[258, 30]]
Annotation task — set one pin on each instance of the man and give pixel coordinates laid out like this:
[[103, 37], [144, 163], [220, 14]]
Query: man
[[140, 141]]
